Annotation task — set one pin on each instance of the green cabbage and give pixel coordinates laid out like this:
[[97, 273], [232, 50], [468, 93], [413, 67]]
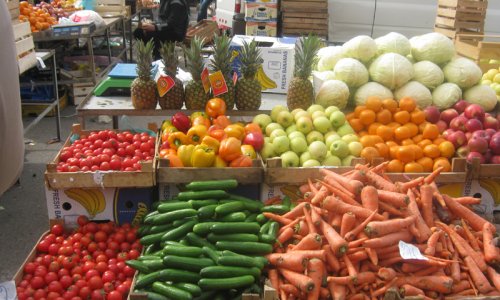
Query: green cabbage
[[333, 93], [463, 72], [445, 95], [391, 70], [328, 57], [428, 74], [483, 95], [362, 48], [351, 71], [371, 89], [393, 42], [417, 91], [434, 47]]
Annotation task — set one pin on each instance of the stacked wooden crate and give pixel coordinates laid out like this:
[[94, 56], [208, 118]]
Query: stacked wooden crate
[[111, 8], [25, 47], [305, 16], [460, 16]]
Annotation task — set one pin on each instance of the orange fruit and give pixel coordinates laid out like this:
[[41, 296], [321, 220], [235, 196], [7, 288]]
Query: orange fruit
[[349, 116], [439, 140], [372, 129], [430, 132], [390, 104], [427, 163], [391, 143], [402, 117], [432, 151], [442, 162], [424, 143], [367, 117], [413, 167], [374, 103], [384, 116], [385, 132], [382, 149], [405, 154], [362, 133], [370, 140], [369, 153], [418, 138], [407, 142], [358, 110], [393, 151], [413, 129], [446, 149], [356, 124], [395, 166], [408, 104], [417, 116], [393, 125], [402, 133], [419, 153]]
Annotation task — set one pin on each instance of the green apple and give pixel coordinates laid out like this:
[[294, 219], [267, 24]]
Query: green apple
[[339, 148], [497, 78], [295, 111], [314, 136], [271, 127], [351, 137], [276, 133], [490, 74], [311, 163], [285, 118], [276, 110], [262, 120], [355, 148], [291, 128], [305, 157], [497, 89], [345, 129], [298, 145], [317, 150], [318, 114], [337, 118], [300, 114], [281, 144], [322, 124], [331, 160], [304, 124], [315, 107], [267, 151], [289, 159], [331, 138], [295, 134], [267, 139], [347, 161], [486, 82], [330, 109]]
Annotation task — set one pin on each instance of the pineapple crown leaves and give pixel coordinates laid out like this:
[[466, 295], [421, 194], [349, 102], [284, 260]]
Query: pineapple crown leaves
[[222, 56], [305, 55], [169, 59], [144, 58], [194, 57], [250, 58]]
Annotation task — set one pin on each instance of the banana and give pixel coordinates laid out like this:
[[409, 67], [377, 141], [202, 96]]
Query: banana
[[82, 197], [265, 81], [493, 187], [99, 201]]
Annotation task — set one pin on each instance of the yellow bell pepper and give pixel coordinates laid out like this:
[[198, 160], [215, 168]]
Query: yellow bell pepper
[[211, 143], [166, 124], [235, 130], [176, 139], [197, 114], [249, 151], [196, 134], [202, 157], [185, 152], [219, 162]]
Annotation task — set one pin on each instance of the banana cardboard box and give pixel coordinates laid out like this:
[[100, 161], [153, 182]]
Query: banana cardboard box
[[121, 205], [261, 12], [278, 55], [261, 28], [167, 191], [269, 191]]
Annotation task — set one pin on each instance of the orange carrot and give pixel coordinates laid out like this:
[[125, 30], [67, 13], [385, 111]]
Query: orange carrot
[[315, 271], [292, 225], [302, 228], [369, 198], [477, 276], [337, 292], [308, 254], [491, 252], [407, 267], [316, 215], [337, 243], [357, 243], [324, 294], [460, 286], [358, 256], [410, 290], [336, 192], [431, 177], [285, 235], [470, 236], [426, 192], [442, 284], [277, 218], [427, 271], [307, 214], [335, 205], [359, 279], [320, 195], [334, 183], [384, 288], [423, 229], [295, 212], [432, 241], [311, 241], [351, 270], [389, 239], [273, 278], [403, 187], [288, 260], [302, 282], [494, 277], [351, 235], [272, 200], [393, 198], [331, 259], [462, 212], [290, 289], [380, 168], [386, 273], [372, 255], [305, 188], [391, 209], [380, 228], [353, 186], [380, 182], [356, 175], [312, 188], [284, 295], [455, 268], [467, 200], [348, 222]]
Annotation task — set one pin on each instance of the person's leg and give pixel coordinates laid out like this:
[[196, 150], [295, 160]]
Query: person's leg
[[202, 14]]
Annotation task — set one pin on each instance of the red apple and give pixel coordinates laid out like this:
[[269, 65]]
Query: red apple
[[442, 126], [487, 156], [458, 123], [474, 155], [468, 135], [482, 134], [495, 144], [478, 144], [461, 105], [446, 134], [463, 151], [490, 131], [458, 139], [448, 114], [474, 111], [473, 125], [490, 122], [432, 114], [495, 159]]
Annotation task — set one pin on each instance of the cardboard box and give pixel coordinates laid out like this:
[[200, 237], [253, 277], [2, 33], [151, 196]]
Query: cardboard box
[[169, 190], [260, 11], [262, 29], [278, 56]]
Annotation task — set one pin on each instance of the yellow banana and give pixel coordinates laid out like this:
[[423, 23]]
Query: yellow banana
[[99, 201], [493, 187], [265, 81], [82, 197]]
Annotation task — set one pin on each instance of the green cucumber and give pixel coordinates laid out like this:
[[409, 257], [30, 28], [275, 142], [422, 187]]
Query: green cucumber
[[193, 289], [179, 232], [226, 283], [143, 230], [173, 215], [267, 238], [173, 243], [287, 201], [207, 212], [228, 271], [187, 251], [196, 240], [206, 295], [279, 209], [187, 263], [178, 223], [148, 257], [250, 204], [139, 266], [154, 265], [265, 228], [224, 184], [239, 261], [230, 207], [273, 229], [152, 295], [160, 228], [211, 253], [202, 229], [235, 227], [261, 219], [251, 218], [149, 217], [171, 291], [173, 206], [235, 237], [151, 238], [154, 205], [197, 204], [150, 248], [200, 195], [251, 248], [173, 275], [233, 217], [260, 262]]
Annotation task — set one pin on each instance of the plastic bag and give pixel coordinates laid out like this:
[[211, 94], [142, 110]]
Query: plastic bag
[[88, 16]]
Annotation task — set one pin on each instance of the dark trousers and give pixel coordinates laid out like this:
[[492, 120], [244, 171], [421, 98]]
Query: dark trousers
[[202, 14], [146, 36]]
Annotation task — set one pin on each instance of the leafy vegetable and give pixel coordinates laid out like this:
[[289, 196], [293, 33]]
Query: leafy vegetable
[[361, 47], [446, 95], [463, 72], [391, 70], [428, 74], [351, 71], [393, 42], [333, 92], [433, 46], [417, 91], [371, 89]]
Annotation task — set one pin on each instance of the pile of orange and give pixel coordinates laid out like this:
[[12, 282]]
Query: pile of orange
[[399, 133], [39, 18]]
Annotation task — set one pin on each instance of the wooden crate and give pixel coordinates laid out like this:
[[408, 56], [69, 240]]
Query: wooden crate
[[25, 47], [478, 170], [13, 7], [146, 177], [303, 17], [305, 7], [204, 29], [460, 16], [110, 8], [79, 91], [480, 48]]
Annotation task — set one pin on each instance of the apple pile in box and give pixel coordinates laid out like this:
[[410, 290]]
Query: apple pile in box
[[318, 136]]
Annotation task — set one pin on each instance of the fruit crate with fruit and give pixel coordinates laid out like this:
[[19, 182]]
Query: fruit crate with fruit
[[205, 29], [25, 47], [108, 172], [111, 8], [302, 17], [483, 49], [13, 7], [460, 16]]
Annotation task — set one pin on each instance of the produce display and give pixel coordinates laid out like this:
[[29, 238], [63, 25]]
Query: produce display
[[209, 139], [41, 16], [399, 133], [143, 90], [492, 79], [107, 150], [358, 234], [206, 242], [88, 263], [314, 137]]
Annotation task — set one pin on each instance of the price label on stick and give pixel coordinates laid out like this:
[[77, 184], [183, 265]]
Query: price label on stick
[[218, 83], [205, 80], [164, 84], [235, 78], [409, 251]]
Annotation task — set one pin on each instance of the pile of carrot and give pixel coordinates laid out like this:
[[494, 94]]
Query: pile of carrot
[[341, 241]]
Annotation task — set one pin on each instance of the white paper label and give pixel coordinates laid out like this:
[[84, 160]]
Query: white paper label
[[41, 63], [98, 177], [8, 290], [409, 251]]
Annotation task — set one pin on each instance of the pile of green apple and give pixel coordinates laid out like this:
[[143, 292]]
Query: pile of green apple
[[492, 78], [314, 137]]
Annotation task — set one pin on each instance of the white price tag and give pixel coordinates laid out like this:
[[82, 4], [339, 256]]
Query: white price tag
[[409, 251], [41, 63], [8, 290], [98, 177]]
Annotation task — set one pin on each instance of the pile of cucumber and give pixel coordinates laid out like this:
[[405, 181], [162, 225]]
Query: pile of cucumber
[[205, 243]]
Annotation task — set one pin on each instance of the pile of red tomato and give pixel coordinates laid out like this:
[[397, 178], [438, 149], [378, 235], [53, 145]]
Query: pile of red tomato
[[86, 264]]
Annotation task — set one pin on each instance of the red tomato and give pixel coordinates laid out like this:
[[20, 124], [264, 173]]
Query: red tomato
[[66, 281], [91, 273], [119, 237], [95, 282], [51, 276], [39, 294], [101, 267], [29, 268], [108, 276], [114, 295], [81, 284], [37, 282], [123, 289], [82, 220], [128, 271], [62, 272], [125, 247], [40, 271], [108, 287], [100, 236], [85, 292], [133, 254], [43, 246], [55, 286], [53, 296], [76, 277], [122, 256]]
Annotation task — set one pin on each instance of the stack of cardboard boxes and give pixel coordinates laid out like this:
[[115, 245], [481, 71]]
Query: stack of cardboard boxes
[[261, 17]]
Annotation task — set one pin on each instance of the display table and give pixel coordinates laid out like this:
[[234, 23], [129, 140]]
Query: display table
[[122, 106]]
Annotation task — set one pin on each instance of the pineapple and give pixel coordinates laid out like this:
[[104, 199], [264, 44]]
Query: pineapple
[[300, 90], [143, 88], [174, 98], [196, 98], [248, 88], [221, 61]]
